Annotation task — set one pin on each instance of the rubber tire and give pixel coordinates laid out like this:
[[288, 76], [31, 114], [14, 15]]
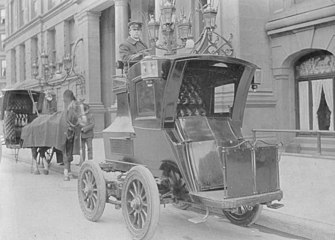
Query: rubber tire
[[93, 167], [247, 219], [144, 176]]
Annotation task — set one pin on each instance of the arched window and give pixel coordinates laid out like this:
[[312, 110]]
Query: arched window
[[315, 75]]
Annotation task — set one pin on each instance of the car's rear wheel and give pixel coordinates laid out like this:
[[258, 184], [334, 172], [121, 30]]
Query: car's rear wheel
[[140, 203], [244, 215]]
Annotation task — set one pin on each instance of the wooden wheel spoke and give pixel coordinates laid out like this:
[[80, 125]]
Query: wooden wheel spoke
[[85, 182], [134, 187], [131, 212], [139, 187], [94, 200], [132, 193], [143, 218], [86, 176]]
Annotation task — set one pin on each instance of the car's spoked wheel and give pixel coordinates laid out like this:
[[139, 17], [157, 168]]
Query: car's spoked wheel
[[91, 190], [179, 189], [244, 215], [140, 203]]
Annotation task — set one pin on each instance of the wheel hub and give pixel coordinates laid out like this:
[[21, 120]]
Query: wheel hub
[[136, 203], [88, 189]]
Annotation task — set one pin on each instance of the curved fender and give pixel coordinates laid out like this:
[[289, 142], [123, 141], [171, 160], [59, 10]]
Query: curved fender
[[168, 165]]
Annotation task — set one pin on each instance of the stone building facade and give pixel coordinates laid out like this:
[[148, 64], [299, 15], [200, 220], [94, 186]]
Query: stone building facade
[[2, 50], [283, 37]]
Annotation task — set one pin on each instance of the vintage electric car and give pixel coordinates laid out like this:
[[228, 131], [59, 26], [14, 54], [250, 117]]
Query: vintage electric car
[[177, 139]]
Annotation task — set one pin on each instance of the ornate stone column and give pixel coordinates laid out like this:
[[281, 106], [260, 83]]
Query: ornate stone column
[[285, 95], [89, 25], [121, 24]]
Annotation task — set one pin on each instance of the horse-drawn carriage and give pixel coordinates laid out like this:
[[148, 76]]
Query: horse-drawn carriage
[[19, 108], [177, 139], [31, 121]]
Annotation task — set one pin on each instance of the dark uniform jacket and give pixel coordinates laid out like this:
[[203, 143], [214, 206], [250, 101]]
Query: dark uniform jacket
[[131, 47], [87, 131]]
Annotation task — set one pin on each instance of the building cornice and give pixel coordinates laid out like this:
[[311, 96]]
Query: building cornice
[[301, 20], [39, 20]]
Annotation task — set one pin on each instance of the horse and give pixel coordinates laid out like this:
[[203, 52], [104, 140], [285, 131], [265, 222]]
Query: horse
[[54, 130]]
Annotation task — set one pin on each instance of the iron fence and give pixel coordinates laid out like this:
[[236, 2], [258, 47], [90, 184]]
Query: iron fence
[[317, 133]]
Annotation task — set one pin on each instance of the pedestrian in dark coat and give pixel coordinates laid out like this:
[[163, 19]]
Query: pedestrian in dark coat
[[87, 135]]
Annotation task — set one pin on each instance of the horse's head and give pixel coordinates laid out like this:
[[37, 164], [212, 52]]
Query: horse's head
[[76, 114]]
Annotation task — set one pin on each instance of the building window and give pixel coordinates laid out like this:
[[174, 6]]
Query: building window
[[2, 16], [2, 39], [20, 13], [53, 3], [71, 35], [34, 8], [12, 16], [22, 62], [52, 46], [3, 68], [34, 52], [13, 66], [315, 75]]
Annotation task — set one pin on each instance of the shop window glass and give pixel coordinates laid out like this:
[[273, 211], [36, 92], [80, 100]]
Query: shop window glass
[[2, 16], [304, 105], [315, 75]]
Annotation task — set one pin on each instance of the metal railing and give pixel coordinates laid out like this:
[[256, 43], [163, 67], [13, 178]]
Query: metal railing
[[317, 133]]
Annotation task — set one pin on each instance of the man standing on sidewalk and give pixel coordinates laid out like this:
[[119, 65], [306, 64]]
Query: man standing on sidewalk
[[87, 135]]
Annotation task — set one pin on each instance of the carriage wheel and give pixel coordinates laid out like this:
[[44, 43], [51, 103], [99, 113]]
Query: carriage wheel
[[244, 215], [140, 203], [91, 191]]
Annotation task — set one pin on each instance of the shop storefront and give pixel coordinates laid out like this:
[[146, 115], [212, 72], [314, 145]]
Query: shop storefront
[[315, 74]]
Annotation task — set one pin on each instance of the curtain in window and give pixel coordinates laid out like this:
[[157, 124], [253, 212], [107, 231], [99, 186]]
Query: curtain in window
[[328, 90], [316, 90], [304, 105]]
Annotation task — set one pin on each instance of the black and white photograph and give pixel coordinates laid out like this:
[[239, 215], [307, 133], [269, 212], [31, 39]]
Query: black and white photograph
[[167, 119]]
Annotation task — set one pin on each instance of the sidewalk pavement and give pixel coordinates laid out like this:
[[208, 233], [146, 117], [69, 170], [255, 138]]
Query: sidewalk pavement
[[307, 182]]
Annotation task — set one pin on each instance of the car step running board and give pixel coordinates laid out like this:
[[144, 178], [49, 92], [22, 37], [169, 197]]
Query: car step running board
[[275, 205], [197, 220]]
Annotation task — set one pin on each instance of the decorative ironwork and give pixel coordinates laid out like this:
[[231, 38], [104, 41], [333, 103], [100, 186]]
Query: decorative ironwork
[[211, 42], [319, 65], [49, 72], [167, 24]]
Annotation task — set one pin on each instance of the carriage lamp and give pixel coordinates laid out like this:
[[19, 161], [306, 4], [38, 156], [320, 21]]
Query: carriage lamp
[[184, 28], [149, 69], [49, 68], [67, 63], [210, 42], [59, 67], [35, 69], [168, 10], [44, 58], [256, 81], [209, 15], [153, 29], [167, 24]]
